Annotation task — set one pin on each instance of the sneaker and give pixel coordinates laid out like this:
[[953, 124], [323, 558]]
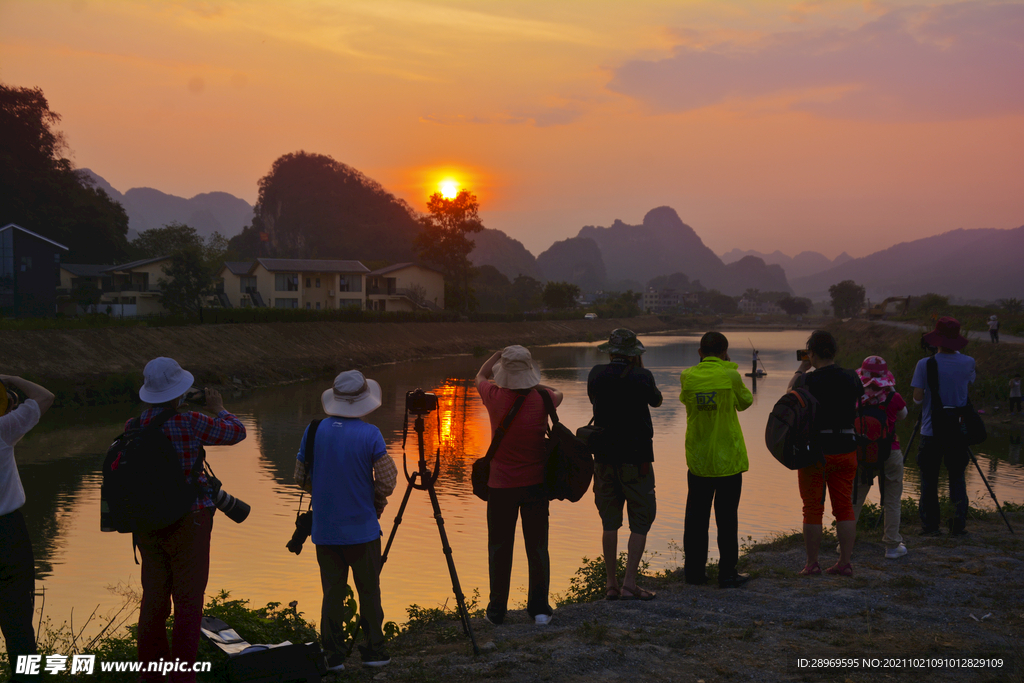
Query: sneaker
[[542, 619], [734, 581], [898, 551], [373, 657], [335, 663]]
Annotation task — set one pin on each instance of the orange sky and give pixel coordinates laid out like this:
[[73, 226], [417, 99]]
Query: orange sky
[[824, 126]]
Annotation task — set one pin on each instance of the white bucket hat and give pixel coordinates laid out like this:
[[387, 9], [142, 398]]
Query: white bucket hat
[[352, 395], [516, 369], [164, 380]]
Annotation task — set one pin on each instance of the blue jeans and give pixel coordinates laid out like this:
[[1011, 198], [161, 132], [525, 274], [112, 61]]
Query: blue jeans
[[930, 457]]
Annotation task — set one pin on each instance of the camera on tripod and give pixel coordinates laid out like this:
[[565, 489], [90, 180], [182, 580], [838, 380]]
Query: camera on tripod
[[419, 402]]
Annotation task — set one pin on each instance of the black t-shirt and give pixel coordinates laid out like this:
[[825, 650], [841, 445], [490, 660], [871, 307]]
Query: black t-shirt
[[622, 403], [837, 391]]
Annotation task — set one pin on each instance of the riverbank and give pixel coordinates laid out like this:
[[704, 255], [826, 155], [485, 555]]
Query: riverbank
[[947, 598], [96, 366]]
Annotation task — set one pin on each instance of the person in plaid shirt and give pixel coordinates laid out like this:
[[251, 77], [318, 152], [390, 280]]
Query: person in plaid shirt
[[176, 559]]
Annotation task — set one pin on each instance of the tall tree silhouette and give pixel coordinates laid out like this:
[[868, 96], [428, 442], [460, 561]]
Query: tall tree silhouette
[[444, 242], [41, 191]]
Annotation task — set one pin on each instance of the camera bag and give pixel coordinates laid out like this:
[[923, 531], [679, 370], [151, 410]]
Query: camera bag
[[282, 663], [481, 471], [144, 488], [570, 466]]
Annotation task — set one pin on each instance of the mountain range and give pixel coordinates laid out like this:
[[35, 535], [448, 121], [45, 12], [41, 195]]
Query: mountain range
[[979, 264], [148, 208], [804, 263], [983, 264]]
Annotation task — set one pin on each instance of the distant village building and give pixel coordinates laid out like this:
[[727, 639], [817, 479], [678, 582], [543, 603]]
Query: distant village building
[[664, 300], [759, 307], [29, 273], [133, 289], [405, 287], [313, 284]]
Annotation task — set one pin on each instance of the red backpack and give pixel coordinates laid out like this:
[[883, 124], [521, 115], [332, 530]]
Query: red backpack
[[874, 438]]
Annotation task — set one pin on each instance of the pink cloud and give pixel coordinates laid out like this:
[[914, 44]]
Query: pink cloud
[[946, 62]]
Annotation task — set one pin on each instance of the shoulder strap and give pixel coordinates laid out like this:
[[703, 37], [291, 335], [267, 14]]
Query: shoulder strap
[[310, 446], [499, 433], [549, 405]]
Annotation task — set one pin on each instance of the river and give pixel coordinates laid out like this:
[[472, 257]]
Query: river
[[80, 568]]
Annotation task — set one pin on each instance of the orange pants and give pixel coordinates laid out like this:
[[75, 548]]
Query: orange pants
[[837, 473]]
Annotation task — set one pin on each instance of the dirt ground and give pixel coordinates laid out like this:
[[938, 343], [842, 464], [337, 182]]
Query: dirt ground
[[955, 599]]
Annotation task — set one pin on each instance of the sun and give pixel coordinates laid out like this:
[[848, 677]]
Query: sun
[[449, 189]]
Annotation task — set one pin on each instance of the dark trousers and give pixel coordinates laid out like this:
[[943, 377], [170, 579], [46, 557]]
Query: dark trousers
[[724, 493], [335, 561], [175, 566], [504, 507], [17, 587], [930, 457]]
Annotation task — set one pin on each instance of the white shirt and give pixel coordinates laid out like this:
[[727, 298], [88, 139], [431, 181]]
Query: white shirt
[[13, 426]]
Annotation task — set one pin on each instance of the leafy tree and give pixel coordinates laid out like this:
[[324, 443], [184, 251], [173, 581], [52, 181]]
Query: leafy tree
[[311, 206], [192, 267], [718, 302], [527, 292], [560, 295], [931, 302], [752, 294], [40, 190], [794, 305], [166, 240], [86, 295], [620, 305], [492, 289], [847, 298], [444, 242], [1011, 305]]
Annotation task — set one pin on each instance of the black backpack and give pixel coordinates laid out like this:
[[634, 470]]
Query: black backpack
[[144, 488], [788, 434], [570, 466], [874, 438]]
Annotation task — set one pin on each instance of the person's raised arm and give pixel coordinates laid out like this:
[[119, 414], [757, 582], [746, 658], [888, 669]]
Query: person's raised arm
[[43, 397], [486, 370], [556, 395]]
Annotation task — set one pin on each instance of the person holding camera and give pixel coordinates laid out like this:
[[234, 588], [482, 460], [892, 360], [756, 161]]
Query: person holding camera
[[17, 565], [351, 477], [176, 559], [837, 391], [622, 393], [516, 482], [716, 458]]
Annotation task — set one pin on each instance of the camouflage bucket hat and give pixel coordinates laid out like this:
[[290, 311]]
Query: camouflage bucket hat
[[622, 342]]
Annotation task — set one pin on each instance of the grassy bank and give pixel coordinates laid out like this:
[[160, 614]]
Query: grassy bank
[[102, 366]]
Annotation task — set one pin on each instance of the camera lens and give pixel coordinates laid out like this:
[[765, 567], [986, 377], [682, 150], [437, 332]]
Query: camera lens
[[236, 510]]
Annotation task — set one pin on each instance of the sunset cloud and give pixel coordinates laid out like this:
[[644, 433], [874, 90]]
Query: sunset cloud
[[950, 62]]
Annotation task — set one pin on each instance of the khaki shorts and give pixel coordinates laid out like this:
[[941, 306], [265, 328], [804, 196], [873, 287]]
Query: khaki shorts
[[615, 485]]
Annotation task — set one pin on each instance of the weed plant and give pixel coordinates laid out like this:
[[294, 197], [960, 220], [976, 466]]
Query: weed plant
[[590, 580]]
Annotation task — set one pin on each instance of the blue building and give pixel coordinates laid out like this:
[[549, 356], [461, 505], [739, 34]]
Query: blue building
[[29, 273]]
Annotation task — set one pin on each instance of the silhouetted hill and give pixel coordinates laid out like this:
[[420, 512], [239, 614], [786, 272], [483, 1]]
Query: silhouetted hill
[[803, 264], [965, 264], [207, 213], [508, 255], [663, 245], [577, 260]]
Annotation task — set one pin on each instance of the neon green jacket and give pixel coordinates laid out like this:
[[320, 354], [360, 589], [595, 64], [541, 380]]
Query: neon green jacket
[[713, 392]]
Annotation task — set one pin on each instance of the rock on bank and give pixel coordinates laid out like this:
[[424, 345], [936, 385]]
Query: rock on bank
[[270, 353]]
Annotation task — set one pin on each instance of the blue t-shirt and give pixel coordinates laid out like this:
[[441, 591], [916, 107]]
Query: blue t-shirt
[[343, 512], [956, 371]]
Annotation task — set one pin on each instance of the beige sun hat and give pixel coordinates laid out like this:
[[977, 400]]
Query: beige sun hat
[[516, 369], [351, 396], [164, 380]]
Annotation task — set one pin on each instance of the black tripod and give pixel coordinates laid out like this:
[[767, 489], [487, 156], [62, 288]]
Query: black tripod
[[426, 482]]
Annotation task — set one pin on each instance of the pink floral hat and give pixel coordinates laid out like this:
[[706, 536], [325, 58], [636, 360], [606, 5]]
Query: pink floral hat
[[877, 380]]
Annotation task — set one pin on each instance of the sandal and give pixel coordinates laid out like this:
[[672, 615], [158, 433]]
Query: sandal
[[811, 570], [611, 593], [639, 594], [836, 570]]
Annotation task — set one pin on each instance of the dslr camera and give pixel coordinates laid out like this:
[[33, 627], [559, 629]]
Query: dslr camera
[[235, 509], [420, 402]]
